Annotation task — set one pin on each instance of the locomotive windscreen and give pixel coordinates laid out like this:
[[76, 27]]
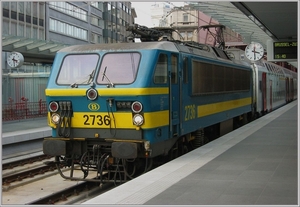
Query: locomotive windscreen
[[118, 68], [77, 69]]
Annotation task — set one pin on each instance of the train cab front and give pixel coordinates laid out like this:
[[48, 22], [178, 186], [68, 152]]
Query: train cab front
[[95, 107]]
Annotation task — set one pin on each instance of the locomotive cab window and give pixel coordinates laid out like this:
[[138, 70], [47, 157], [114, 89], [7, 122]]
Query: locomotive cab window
[[185, 70], [119, 68], [174, 70], [161, 70], [77, 69]]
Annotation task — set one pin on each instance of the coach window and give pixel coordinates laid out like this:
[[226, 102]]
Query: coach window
[[161, 69]]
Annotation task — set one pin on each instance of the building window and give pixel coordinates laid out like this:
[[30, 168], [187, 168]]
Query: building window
[[21, 30], [34, 21], [5, 5], [5, 27], [41, 22], [41, 10], [97, 5], [35, 32], [185, 18], [28, 8], [182, 34], [28, 32], [28, 19], [13, 14], [41, 34], [21, 17], [189, 35], [69, 9], [67, 29], [13, 29], [96, 38], [6, 13], [95, 20]]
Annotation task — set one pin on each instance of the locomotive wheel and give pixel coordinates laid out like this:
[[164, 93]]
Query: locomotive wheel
[[173, 153], [184, 149]]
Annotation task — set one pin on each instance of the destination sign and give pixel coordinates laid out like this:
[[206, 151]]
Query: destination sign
[[285, 50]]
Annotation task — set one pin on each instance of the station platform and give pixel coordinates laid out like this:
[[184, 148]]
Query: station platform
[[28, 130], [23, 130], [256, 164], [25, 124]]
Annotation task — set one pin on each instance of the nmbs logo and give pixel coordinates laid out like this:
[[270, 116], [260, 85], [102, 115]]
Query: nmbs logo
[[94, 106]]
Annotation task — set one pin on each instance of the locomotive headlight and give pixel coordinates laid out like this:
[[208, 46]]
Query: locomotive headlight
[[138, 119], [55, 118], [92, 94]]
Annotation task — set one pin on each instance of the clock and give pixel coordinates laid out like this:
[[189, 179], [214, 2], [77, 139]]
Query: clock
[[254, 51], [15, 59]]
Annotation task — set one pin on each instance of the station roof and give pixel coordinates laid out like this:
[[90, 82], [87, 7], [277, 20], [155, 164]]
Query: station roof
[[256, 21], [30, 48]]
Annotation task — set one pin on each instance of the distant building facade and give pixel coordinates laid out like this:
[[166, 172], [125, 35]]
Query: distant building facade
[[187, 21], [158, 11]]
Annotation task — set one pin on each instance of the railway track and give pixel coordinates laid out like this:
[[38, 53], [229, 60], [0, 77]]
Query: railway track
[[37, 181], [30, 173], [22, 162], [74, 193], [22, 171]]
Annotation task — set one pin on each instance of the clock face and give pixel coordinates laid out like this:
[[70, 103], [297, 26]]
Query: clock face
[[15, 59], [254, 51]]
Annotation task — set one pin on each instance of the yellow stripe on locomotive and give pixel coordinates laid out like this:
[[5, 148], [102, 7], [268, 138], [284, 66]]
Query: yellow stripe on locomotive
[[109, 91], [209, 109], [119, 120]]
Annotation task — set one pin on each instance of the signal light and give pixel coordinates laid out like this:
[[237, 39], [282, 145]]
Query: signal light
[[136, 107], [53, 106], [92, 94]]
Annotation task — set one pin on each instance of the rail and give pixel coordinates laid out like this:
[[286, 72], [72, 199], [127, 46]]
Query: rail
[[23, 110]]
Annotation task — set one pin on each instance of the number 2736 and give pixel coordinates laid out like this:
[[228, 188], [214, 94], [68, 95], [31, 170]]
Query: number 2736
[[190, 112], [96, 120]]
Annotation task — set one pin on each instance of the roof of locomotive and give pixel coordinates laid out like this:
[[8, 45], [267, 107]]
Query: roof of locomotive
[[205, 51], [164, 45]]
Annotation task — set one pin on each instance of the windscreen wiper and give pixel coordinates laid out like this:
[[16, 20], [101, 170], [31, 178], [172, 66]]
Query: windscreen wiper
[[90, 76], [103, 75]]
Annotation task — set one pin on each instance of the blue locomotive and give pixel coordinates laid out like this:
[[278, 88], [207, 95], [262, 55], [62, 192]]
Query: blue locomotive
[[114, 108]]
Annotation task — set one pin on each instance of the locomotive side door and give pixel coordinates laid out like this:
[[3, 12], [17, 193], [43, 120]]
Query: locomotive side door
[[174, 80]]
